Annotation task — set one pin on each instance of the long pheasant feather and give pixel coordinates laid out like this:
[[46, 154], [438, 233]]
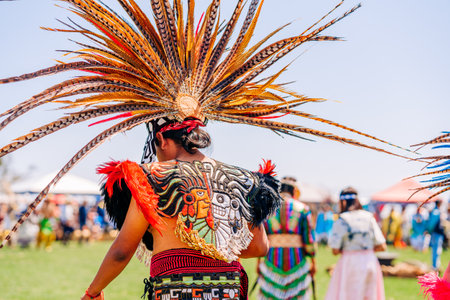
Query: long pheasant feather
[[147, 68], [94, 143], [74, 118], [439, 164]]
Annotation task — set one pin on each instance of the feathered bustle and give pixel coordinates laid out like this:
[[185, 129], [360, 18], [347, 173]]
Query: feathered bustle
[[434, 287], [266, 199], [129, 174], [267, 168], [117, 205]]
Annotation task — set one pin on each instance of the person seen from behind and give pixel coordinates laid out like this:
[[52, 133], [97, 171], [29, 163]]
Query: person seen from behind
[[188, 216], [392, 228], [355, 236], [286, 273], [418, 228], [436, 230]]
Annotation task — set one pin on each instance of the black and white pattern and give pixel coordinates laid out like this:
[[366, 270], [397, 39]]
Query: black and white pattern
[[153, 127]]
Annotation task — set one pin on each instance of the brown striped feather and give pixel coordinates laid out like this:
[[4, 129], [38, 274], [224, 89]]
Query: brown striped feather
[[73, 118], [296, 128], [144, 25], [49, 71], [220, 47], [172, 26], [434, 141], [164, 33], [94, 143], [210, 20], [117, 28], [248, 19], [329, 122]]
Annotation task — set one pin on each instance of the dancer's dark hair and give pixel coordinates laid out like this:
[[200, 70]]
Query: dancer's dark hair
[[196, 139], [349, 199]]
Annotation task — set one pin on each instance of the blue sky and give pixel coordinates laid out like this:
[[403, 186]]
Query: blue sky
[[390, 78]]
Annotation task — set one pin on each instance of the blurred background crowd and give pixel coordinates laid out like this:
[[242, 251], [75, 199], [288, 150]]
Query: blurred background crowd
[[55, 220], [402, 225], [83, 219]]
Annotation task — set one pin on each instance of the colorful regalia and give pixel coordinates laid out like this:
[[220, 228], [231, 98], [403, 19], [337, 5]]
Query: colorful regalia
[[284, 272], [214, 204], [137, 68]]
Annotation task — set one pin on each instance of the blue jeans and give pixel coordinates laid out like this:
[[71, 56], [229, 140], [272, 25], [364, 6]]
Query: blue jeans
[[436, 249]]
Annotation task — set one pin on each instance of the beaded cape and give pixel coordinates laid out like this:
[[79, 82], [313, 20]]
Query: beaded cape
[[137, 67], [214, 203]]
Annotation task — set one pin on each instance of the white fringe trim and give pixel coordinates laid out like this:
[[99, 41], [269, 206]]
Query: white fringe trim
[[143, 254]]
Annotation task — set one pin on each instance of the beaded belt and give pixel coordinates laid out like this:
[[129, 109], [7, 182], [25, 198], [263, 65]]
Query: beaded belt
[[193, 286], [285, 240]]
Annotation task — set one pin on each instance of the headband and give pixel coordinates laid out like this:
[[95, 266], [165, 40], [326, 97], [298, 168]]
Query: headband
[[351, 196], [163, 125]]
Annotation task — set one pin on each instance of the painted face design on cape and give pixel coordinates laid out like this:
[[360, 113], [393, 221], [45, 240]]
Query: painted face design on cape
[[210, 200]]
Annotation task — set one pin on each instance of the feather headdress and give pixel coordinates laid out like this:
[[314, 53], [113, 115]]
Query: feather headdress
[[439, 166], [139, 69]]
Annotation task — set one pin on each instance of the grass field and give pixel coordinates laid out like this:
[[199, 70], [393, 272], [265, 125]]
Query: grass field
[[65, 273]]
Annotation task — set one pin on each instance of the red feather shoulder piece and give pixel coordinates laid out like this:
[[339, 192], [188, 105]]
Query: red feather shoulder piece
[[267, 168], [434, 286], [137, 182]]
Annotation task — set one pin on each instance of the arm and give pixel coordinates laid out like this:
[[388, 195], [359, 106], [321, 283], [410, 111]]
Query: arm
[[335, 241], [446, 276], [380, 247], [121, 250], [312, 269], [259, 246], [307, 234], [379, 240], [336, 251]]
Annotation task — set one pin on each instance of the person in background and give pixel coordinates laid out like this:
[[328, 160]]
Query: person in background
[[418, 228], [324, 224], [355, 236], [27, 233], [82, 214], [392, 228], [406, 227], [285, 272], [46, 235], [3, 220], [188, 216], [67, 220], [85, 232], [436, 231]]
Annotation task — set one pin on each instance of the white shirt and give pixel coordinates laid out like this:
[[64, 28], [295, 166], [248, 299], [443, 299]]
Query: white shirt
[[355, 230]]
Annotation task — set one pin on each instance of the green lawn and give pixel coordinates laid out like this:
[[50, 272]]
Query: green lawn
[[65, 273]]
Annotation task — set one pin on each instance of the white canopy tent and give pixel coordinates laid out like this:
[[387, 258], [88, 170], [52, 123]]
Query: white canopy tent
[[69, 184], [313, 194]]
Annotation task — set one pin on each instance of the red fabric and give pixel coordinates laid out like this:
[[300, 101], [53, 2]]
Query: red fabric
[[137, 182], [267, 168], [179, 261], [190, 124], [435, 287]]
